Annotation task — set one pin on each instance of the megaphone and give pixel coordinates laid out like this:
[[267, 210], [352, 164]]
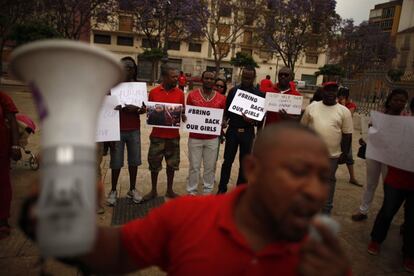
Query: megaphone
[[68, 80]]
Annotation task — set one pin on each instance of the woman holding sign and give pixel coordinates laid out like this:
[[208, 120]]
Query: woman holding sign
[[203, 147]]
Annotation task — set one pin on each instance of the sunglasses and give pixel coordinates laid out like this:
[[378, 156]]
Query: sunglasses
[[219, 86], [284, 75]]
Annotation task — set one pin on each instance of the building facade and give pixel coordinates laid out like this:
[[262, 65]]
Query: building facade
[[194, 57]]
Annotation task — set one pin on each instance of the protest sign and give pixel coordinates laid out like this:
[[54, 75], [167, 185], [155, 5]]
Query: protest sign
[[390, 140], [249, 104], [292, 104], [108, 121], [203, 120], [165, 115], [131, 93]]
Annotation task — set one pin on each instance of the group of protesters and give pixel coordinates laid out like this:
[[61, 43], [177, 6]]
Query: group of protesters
[[286, 175]]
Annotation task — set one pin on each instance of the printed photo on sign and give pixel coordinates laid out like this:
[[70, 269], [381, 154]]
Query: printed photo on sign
[[134, 93], [164, 115], [203, 120], [108, 121], [249, 104]]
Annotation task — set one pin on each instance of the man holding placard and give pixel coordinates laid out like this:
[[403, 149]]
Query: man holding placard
[[285, 86], [165, 142], [203, 147], [241, 128], [131, 137]]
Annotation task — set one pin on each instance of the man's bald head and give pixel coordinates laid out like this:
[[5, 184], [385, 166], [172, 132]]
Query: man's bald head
[[285, 75], [271, 136]]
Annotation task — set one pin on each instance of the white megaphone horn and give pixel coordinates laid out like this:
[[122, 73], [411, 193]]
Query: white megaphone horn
[[69, 81]]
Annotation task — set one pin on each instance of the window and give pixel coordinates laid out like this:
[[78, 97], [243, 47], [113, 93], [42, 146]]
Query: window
[[125, 40], [387, 13], [248, 17], [194, 47], [312, 59], [265, 55], [125, 5], [224, 48], [102, 39], [145, 43], [223, 30], [247, 51], [173, 45], [309, 79], [386, 24], [125, 23], [247, 37], [225, 10]]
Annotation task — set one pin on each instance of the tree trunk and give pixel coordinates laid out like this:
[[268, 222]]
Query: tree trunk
[[217, 62]]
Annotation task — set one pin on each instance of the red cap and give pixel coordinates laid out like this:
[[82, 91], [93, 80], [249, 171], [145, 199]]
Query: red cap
[[330, 83]]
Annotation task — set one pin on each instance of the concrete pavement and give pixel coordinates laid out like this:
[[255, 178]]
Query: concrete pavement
[[18, 256]]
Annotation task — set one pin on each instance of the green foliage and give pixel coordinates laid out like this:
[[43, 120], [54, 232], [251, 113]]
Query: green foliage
[[331, 70], [153, 54], [243, 60], [31, 31], [395, 74]]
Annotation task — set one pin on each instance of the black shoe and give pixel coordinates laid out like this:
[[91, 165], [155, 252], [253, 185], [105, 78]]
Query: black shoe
[[221, 191], [359, 217]]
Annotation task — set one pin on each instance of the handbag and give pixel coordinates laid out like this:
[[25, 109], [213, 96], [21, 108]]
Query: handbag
[[362, 150]]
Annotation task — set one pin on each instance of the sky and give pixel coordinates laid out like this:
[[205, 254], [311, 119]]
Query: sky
[[356, 9]]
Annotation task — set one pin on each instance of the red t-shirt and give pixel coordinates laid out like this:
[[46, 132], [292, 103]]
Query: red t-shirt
[[6, 106], [274, 117], [159, 94], [196, 98], [182, 80], [198, 236], [400, 179], [266, 85], [129, 121]]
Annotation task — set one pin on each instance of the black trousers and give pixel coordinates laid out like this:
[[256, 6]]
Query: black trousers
[[393, 199], [235, 138]]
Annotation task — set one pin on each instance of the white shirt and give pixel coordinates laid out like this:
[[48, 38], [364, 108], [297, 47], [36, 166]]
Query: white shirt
[[330, 122]]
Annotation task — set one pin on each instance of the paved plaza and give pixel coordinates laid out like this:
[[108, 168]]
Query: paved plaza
[[18, 256]]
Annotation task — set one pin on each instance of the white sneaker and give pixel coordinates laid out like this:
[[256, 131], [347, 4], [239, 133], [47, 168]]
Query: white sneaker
[[134, 195], [111, 199]]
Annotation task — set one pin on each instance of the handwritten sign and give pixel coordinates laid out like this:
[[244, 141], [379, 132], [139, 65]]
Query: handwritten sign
[[165, 115], [131, 93], [249, 104], [203, 120], [390, 140], [108, 121], [292, 104]]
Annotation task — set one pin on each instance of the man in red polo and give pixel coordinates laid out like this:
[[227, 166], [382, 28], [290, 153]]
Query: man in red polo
[[284, 86], [257, 229], [203, 147], [266, 84], [165, 142]]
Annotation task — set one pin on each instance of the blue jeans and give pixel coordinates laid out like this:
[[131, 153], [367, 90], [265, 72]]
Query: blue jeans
[[132, 139]]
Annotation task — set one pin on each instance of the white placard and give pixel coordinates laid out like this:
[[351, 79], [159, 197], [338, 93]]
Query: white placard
[[249, 104], [292, 104], [165, 115], [108, 121], [131, 93], [203, 120], [390, 140]]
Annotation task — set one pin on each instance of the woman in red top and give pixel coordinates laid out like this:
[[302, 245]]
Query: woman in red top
[[343, 98], [398, 187], [9, 141]]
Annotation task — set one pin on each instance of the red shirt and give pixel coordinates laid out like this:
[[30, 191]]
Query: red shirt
[[182, 80], [400, 179], [266, 85], [274, 117], [6, 106], [159, 94], [198, 236], [129, 121], [196, 98]]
